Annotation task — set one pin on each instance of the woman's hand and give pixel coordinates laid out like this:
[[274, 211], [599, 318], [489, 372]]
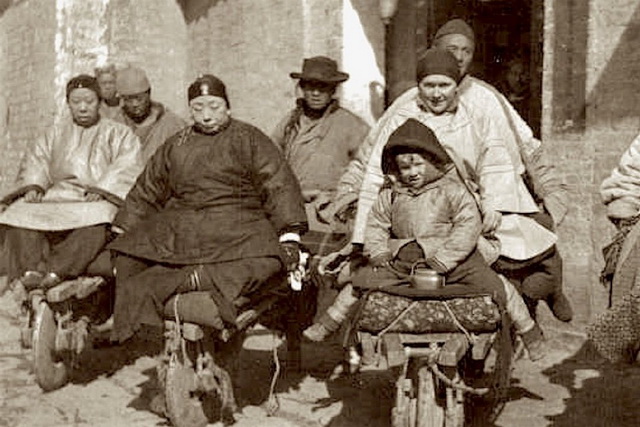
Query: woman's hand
[[491, 221], [33, 196], [92, 197]]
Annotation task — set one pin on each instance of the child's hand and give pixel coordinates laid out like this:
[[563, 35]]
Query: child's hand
[[382, 260]]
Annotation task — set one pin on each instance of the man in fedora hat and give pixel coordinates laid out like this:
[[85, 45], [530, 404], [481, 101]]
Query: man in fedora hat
[[319, 138]]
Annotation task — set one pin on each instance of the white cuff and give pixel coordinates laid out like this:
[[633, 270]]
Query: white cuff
[[290, 237]]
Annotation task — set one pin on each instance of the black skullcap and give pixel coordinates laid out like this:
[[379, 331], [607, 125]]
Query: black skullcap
[[414, 137], [437, 61], [83, 81], [207, 84]]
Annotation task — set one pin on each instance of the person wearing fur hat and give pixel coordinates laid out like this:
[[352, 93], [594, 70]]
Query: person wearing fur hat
[[71, 184], [217, 209], [538, 275], [319, 138], [426, 213], [149, 119]]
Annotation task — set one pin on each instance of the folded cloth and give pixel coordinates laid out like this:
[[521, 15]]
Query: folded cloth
[[59, 215], [522, 237]]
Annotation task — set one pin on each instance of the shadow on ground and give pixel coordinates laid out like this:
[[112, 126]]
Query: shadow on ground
[[106, 360], [602, 394]]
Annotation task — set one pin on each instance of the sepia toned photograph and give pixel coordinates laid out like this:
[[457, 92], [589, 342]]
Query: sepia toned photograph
[[319, 213]]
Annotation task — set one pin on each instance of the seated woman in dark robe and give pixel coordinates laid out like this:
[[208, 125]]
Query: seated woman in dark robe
[[217, 208]]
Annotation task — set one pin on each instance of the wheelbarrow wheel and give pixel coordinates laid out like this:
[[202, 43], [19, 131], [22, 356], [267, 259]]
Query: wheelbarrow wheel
[[429, 412], [51, 368], [186, 407]]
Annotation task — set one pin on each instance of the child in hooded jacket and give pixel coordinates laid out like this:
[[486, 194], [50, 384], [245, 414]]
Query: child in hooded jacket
[[428, 214]]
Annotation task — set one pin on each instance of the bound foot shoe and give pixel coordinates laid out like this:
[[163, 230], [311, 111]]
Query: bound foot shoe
[[561, 307], [534, 342], [50, 280], [316, 332], [31, 280]]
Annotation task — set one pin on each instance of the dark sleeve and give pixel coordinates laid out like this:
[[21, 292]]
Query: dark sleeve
[[150, 192], [277, 185]]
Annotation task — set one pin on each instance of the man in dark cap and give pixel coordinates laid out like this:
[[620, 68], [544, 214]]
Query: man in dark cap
[[319, 138], [151, 121], [217, 208], [540, 276], [69, 189]]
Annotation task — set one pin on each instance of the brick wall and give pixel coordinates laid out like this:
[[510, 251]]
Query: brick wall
[[590, 68], [27, 34], [152, 34], [253, 46]]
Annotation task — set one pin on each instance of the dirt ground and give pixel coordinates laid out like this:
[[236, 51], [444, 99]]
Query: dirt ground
[[113, 386]]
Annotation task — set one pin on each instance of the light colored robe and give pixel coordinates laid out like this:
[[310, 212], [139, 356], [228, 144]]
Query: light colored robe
[[66, 162], [490, 165]]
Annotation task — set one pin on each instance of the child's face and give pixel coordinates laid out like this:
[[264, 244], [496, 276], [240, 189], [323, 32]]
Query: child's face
[[415, 171]]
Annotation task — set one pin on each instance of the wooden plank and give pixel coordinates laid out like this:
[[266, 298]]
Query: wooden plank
[[393, 350], [80, 288], [453, 350], [192, 332], [427, 338], [368, 348], [481, 346]]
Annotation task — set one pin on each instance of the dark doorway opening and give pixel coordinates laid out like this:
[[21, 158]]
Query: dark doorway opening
[[508, 54]]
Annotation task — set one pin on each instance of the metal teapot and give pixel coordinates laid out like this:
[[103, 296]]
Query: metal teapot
[[423, 277]]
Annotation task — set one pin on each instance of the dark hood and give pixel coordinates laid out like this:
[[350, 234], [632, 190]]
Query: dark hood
[[412, 136]]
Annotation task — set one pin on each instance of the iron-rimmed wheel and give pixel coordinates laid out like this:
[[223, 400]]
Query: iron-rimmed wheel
[[51, 368]]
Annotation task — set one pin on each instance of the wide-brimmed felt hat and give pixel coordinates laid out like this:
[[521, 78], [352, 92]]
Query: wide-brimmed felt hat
[[320, 69]]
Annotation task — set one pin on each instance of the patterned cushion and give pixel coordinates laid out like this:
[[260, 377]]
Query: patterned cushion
[[476, 314]]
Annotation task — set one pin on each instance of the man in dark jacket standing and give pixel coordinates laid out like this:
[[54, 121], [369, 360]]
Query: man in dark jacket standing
[[319, 138], [217, 208]]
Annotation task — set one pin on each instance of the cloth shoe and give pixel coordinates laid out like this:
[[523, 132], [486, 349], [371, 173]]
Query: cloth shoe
[[560, 307], [31, 280], [50, 280]]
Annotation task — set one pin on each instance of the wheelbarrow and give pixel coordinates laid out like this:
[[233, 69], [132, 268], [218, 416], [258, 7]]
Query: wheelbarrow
[[440, 348], [200, 359]]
